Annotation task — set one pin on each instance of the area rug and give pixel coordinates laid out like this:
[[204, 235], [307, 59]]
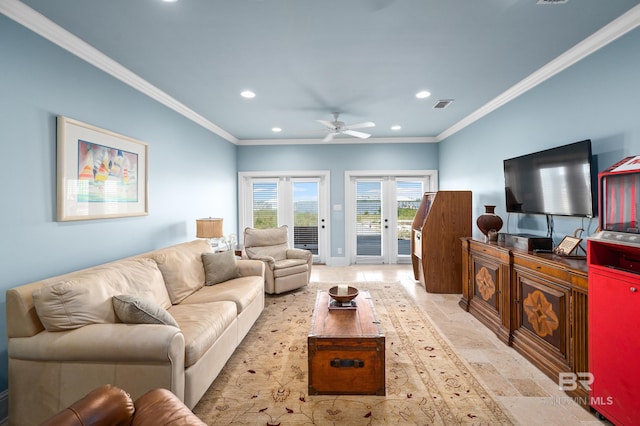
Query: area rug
[[427, 383]]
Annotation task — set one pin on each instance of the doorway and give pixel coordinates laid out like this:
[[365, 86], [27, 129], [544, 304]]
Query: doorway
[[300, 201], [380, 209]]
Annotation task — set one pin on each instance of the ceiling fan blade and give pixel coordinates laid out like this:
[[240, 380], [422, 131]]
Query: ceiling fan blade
[[360, 125], [329, 137], [360, 135], [327, 124]]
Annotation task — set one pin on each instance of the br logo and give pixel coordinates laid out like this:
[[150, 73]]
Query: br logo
[[569, 381]]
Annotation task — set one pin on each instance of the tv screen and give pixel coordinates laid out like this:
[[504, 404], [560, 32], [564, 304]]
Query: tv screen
[[555, 181]]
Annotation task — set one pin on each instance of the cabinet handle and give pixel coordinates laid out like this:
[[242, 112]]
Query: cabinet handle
[[633, 289], [338, 363]]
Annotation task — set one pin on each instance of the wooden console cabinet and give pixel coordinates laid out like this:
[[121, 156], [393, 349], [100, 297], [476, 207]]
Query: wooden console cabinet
[[535, 302]]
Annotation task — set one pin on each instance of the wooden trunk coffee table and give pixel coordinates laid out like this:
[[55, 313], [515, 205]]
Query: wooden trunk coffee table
[[346, 349]]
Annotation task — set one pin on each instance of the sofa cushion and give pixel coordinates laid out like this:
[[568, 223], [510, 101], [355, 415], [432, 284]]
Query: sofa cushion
[[290, 263], [242, 291], [291, 270], [219, 267], [254, 237], [202, 324], [271, 242], [132, 309], [181, 267], [84, 297], [278, 252], [144, 279]]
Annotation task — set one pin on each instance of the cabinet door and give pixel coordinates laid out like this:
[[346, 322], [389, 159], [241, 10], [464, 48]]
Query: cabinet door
[[487, 296], [614, 303], [486, 278], [541, 322]]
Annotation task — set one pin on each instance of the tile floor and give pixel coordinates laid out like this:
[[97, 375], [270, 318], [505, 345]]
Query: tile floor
[[530, 396]]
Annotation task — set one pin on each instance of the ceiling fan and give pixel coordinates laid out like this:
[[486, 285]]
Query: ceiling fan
[[337, 127]]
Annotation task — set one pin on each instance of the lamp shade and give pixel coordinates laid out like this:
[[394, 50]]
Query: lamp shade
[[209, 228]]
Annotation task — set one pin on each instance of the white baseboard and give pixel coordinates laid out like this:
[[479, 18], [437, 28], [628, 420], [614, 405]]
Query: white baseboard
[[337, 261], [342, 261]]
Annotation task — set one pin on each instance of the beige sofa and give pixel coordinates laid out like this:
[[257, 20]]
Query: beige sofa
[[67, 335]]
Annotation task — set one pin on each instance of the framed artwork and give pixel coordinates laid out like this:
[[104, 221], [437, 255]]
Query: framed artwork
[[567, 245], [101, 174]]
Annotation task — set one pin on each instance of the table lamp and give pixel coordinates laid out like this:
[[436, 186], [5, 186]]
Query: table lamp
[[211, 229]]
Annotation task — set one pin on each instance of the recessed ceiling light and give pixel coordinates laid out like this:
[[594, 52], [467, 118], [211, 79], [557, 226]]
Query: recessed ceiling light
[[423, 94], [169, 1], [247, 94], [396, 127], [276, 129]]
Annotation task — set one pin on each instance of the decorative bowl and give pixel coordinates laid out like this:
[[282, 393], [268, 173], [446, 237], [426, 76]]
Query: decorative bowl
[[352, 293]]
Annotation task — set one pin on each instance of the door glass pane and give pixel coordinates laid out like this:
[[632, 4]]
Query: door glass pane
[[305, 216], [265, 205], [409, 194], [368, 218]]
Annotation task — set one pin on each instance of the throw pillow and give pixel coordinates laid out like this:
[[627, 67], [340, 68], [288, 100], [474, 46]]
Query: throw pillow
[[136, 310], [219, 267]]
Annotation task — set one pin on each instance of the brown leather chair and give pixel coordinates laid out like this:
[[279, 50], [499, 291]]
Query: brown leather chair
[[111, 406]]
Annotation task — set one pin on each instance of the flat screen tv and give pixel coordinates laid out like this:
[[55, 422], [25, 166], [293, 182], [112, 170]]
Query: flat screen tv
[[555, 181]]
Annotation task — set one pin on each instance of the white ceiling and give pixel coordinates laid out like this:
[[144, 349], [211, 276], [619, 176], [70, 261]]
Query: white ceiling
[[306, 58]]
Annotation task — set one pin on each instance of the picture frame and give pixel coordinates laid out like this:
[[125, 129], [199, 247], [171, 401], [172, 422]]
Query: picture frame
[[567, 245], [100, 174]]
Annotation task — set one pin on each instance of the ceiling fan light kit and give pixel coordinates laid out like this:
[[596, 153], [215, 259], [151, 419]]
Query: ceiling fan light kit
[[337, 127]]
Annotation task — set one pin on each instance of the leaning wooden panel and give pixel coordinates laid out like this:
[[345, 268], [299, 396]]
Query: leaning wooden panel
[[346, 349]]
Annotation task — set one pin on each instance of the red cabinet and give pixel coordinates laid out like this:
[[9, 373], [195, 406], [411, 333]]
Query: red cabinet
[[613, 257], [614, 328]]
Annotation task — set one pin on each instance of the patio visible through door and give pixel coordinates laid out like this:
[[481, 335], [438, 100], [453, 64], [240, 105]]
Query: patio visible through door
[[296, 201], [381, 214]]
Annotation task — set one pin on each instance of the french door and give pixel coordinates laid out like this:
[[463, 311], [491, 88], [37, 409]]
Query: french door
[[300, 202], [380, 211]]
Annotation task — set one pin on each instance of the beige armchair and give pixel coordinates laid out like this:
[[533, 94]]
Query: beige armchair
[[286, 268]]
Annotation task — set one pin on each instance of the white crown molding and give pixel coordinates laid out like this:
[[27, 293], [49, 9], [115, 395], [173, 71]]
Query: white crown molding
[[46, 28], [336, 141], [610, 32]]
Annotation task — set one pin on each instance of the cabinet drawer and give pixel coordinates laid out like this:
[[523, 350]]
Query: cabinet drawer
[[580, 281], [491, 251], [540, 266]]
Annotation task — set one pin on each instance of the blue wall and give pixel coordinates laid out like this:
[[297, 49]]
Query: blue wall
[[338, 158], [597, 98], [192, 172]]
